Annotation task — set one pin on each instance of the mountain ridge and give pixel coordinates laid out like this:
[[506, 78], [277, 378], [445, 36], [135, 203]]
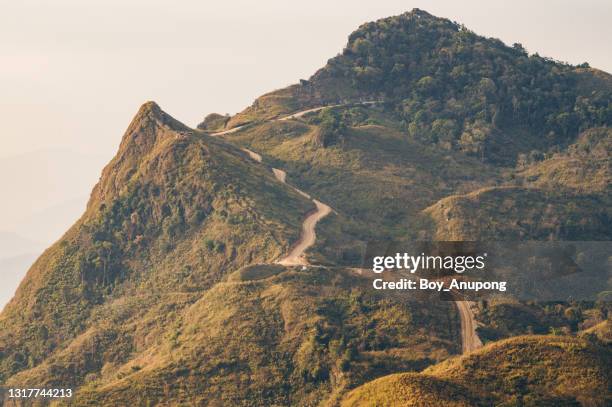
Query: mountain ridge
[[164, 291]]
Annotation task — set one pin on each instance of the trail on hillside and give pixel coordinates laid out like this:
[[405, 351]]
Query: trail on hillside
[[308, 235], [307, 238], [305, 112], [469, 339], [296, 115], [253, 155], [296, 257]]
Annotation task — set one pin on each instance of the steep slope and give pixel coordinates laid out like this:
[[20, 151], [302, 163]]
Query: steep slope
[[145, 310], [173, 212], [530, 370]]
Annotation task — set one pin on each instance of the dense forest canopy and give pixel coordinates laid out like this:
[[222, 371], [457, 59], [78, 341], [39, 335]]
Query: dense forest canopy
[[453, 87]]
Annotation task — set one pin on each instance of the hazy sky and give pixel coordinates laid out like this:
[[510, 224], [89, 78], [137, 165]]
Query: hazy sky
[[72, 73]]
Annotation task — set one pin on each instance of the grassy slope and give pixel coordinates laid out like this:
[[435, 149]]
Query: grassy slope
[[304, 337], [177, 212], [511, 213], [409, 389], [377, 178], [566, 196], [379, 181], [585, 167], [529, 370]]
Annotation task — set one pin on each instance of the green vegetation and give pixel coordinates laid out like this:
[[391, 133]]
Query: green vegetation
[[518, 213], [448, 86], [506, 318], [171, 215], [288, 338], [376, 178], [583, 168], [466, 121], [214, 122], [452, 87]]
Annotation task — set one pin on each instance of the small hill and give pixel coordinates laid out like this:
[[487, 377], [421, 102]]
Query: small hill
[[214, 122], [519, 213], [586, 165], [409, 389], [528, 370]]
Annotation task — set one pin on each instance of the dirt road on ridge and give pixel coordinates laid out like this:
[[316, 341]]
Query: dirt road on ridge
[[296, 257], [308, 235], [469, 339], [307, 238], [293, 116]]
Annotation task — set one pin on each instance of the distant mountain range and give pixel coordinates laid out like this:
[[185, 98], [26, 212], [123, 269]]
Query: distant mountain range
[[168, 291]]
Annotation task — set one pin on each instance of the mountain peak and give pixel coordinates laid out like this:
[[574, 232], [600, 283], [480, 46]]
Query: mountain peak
[[149, 126], [151, 114], [419, 12], [150, 129], [150, 105]]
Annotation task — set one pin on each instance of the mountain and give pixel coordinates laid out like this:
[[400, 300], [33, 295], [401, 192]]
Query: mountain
[[448, 86], [172, 210], [170, 289], [138, 288], [425, 113]]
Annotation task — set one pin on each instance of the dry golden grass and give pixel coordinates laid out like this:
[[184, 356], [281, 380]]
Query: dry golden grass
[[527, 370]]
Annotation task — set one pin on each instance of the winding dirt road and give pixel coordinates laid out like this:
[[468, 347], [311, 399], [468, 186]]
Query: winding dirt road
[[469, 339], [308, 236], [305, 112], [296, 257], [295, 115]]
